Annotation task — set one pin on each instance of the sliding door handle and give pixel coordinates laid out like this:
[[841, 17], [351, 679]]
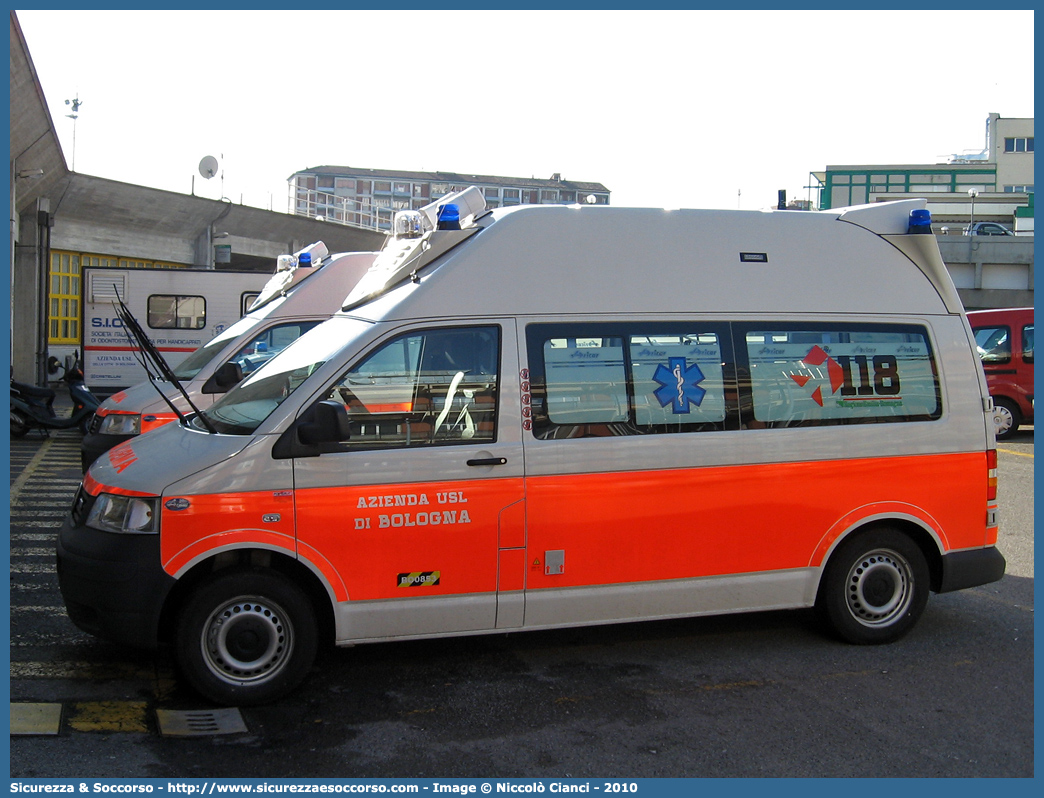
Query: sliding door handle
[[487, 461]]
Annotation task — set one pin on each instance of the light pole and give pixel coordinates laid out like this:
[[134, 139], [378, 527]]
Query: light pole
[[75, 104], [973, 193]]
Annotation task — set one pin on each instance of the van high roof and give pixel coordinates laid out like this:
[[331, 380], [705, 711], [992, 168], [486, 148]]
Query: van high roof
[[540, 260]]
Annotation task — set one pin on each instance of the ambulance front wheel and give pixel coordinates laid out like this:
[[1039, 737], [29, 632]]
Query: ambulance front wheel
[[246, 637], [875, 587]]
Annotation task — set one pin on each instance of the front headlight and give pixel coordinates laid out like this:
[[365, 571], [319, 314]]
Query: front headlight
[[120, 424], [130, 515]]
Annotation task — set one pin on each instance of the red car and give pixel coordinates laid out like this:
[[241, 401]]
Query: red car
[[1005, 341]]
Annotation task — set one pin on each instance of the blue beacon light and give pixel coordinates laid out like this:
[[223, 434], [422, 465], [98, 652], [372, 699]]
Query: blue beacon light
[[449, 217], [920, 222]]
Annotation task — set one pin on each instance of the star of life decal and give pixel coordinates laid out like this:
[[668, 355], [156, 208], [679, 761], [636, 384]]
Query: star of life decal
[[679, 385]]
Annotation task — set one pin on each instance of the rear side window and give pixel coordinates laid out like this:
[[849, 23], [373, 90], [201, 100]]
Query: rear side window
[[646, 378], [602, 380], [810, 375], [1027, 343], [994, 343]]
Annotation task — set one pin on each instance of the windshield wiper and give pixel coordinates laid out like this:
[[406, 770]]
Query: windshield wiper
[[148, 353]]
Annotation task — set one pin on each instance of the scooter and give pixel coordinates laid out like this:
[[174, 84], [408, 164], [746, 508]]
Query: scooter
[[32, 407]]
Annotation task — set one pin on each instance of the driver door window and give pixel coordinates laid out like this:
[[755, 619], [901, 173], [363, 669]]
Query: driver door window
[[428, 387]]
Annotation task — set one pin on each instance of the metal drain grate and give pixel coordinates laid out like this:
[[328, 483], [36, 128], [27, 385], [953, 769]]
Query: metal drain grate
[[199, 722]]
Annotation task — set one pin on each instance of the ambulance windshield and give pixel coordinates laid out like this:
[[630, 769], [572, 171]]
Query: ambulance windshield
[[244, 407], [194, 363]]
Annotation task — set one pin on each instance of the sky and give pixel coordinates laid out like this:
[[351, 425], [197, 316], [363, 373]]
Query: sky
[[698, 109]]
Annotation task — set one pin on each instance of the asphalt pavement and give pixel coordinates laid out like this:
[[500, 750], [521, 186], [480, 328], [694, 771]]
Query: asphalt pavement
[[765, 694]]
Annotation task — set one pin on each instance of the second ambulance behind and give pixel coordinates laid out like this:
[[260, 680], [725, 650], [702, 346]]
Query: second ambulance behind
[[306, 289], [550, 416]]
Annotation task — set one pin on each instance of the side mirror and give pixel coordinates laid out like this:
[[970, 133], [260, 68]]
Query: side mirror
[[324, 422], [226, 375]]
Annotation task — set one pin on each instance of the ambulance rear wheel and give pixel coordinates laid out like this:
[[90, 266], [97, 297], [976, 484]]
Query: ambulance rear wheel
[[246, 637], [875, 587]]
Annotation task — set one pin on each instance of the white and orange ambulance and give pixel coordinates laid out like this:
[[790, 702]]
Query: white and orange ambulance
[[549, 416], [306, 289]]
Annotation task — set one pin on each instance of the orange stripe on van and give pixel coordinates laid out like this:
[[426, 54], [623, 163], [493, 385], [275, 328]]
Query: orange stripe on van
[[202, 523], [93, 348], [391, 407], [94, 487], [482, 535], [235, 538], [159, 419], [653, 525], [371, 534], [326, 568]]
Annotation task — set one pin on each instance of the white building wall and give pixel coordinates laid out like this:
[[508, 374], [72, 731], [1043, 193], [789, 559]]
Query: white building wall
[[1013, 168]]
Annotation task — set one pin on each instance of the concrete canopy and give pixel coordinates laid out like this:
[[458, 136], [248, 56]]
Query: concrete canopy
[[94, 214]]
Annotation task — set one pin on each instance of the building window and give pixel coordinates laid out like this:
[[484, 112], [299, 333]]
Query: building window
[[1018, 189], [64, 288], [98, 260], [1018, 144], [64, 298]]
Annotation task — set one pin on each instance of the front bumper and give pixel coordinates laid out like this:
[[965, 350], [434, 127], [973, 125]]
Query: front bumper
[[113, 585], [961, 569]]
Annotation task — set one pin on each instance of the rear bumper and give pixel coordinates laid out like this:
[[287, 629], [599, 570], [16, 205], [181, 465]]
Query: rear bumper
[[113, 585], [961, 569]]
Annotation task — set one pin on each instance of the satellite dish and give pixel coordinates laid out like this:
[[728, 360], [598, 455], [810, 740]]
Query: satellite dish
[[208, 167]]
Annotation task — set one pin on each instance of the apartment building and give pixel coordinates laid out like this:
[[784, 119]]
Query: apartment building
[[370, 197]]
